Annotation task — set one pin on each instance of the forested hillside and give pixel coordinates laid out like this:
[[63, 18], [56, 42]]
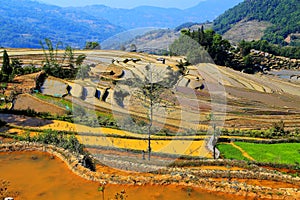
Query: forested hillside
[[283, 14]]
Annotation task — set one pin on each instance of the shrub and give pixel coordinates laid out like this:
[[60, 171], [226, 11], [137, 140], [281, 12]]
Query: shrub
[[2, 123]]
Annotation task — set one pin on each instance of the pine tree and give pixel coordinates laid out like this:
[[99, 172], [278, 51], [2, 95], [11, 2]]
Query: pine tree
[[6, 68]]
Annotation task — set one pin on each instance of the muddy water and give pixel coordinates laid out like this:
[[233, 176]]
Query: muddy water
[[39, 176]]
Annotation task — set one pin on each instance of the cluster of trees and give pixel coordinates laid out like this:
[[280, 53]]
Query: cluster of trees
[[196, 44], [207, 46], [67, 66], [283, 14], [265, 46], [92, 45], [12, 67]]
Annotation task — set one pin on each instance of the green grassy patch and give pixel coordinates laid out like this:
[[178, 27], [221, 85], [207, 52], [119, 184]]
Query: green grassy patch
[[285, 153], [230, 152], [56, 101]]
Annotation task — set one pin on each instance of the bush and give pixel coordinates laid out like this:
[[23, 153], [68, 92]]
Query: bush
[[2, 123]]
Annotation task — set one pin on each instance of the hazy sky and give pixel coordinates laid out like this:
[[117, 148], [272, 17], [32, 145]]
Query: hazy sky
[[126, 3]]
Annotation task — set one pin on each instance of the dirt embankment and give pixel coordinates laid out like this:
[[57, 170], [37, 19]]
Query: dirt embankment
[[27, 101]]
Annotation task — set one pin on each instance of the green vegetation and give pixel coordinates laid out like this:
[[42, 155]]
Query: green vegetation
[[206, 46], [59, 67], [61, 102], [20, 69], [92, 45], [263, 45], [284, 153], [283, 14], [196, 44], [6, 71], [230, 152], [273, 153], [12, 67]]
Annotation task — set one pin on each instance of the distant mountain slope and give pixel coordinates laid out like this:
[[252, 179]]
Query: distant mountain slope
[[247, 30], [24, 23], [284, 15], [150, 40], [148, 16], [137, 17]]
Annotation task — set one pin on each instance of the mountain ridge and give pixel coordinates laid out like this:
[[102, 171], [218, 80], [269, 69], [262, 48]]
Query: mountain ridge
[[160, 17], [25, 22]]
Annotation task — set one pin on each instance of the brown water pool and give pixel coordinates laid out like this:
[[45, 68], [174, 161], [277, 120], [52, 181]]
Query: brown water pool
[[39, 176]]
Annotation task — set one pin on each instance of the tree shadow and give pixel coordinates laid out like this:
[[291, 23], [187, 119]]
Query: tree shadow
[[21, 120]]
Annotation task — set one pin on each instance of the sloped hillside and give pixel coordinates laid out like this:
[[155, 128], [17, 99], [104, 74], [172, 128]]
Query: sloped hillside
[[284, 15], [149, 16]]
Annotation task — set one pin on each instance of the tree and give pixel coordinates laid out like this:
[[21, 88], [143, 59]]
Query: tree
[[16, 65], [50, 56], [6, 67], [219, 49], [53, 64], [244, 47], [92, 45], [148, 89], [248, 61]]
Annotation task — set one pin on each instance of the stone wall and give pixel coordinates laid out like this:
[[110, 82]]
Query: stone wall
[[274, 62]]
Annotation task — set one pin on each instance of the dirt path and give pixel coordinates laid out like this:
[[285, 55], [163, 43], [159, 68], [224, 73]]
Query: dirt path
[[245, 154]]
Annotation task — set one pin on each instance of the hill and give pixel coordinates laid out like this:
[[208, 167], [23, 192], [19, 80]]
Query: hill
[[283, 17], [149, 16], [24, 23]]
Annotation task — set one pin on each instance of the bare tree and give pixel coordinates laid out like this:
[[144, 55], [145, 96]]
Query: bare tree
[[148, 89]]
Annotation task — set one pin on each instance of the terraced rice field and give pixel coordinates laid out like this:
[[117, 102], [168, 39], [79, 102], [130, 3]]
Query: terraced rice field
[[102, 137], [252, 101]]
